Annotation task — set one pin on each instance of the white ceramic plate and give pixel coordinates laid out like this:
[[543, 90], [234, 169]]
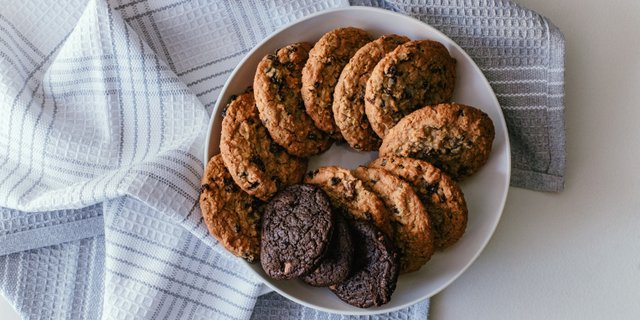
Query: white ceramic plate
[[485, 192]]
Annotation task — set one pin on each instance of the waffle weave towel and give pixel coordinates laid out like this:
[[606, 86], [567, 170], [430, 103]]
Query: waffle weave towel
[[105, 105]]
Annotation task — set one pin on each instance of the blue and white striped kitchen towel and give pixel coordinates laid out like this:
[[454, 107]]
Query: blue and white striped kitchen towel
[[104, 109]]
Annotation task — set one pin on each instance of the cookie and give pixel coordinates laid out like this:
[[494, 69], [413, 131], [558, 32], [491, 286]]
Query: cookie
[[321, 72], [296, 229], [348, 97], [375, 268], [414, 75], [231, 215], [336, 264], [277, 85], [453, 137], [441, 196], [409, 219], [349, 194], [257, 164]]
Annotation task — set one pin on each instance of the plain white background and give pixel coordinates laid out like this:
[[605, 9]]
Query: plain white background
[[576, 254]]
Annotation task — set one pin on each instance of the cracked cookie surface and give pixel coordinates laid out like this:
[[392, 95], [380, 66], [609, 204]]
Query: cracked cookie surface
[[416, 74], [257, 164], [348, 98], [453, 137], [351, 195], [376, 268], [408, 217], [296, 228], [336, 264], [441, 196], [231, 215], [321, 72], [277, 84]]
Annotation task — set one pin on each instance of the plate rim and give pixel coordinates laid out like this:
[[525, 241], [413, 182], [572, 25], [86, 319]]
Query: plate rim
[[501, 119]]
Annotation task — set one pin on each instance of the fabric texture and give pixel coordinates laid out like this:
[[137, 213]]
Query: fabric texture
[[105, 107]]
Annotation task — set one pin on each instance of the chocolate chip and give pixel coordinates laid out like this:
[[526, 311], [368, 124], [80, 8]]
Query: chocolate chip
[[312, 136], [391, 72], [312, 174], [275, 148], [230, 185], [433, 188], [254, 185], [335, 180], [258, 162], [316, 85]]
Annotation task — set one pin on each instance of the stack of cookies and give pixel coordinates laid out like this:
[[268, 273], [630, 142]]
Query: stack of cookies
[[390, 95]]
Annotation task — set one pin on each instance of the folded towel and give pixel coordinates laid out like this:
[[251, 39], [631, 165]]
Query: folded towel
[[105, 108]]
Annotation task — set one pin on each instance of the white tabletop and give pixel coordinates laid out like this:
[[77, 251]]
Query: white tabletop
[[576, 254]]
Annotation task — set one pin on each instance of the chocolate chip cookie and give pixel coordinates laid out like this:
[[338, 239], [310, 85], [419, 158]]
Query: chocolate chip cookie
[[231, 215], [320, 74], [441, 196], [348, 98], [257, 164], [453, 137], [277, 85], [296, 228], [336, 264], [375, 268], [414, 75], [351, 195], [409, 219]]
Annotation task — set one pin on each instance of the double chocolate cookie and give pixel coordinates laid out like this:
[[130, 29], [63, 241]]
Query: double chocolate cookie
[[375, 268], [258, 165], [415, 74], [277, 84], [321, 72], [296, 229], [231, 215], [336, 263], [453, 137]]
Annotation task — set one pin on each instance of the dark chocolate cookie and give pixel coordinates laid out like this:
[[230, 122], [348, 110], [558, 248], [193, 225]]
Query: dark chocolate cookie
[[321, 72], [258, 165], [442, 196], [375, 268], [414, 75], [453, 137], [277, 85], [296, 229], [231, 215], [336, 264]]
